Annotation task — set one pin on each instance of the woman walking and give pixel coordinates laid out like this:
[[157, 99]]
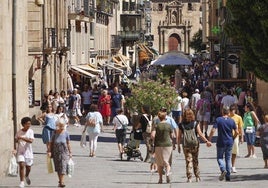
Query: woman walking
[[60, 150], [48, 118], [94, 123], [250, 120], [263, 133], [191, 152], [105, 106], [162, 136]]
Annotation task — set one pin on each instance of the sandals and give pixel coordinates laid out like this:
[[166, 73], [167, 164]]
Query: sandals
[[61, 184]]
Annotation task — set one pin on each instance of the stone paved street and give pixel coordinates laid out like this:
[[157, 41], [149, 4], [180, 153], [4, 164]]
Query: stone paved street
[[106, 170]]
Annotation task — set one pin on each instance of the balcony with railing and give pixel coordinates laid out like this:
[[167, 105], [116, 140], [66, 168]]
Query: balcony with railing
[[50, 42], [82, 7], [130, 35], [64, 40]]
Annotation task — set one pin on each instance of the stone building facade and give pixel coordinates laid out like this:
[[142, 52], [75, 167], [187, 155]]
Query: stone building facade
[[13, 75], [48, 51], [175, 19]]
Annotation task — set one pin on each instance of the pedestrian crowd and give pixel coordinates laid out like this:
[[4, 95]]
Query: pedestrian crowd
[[232, 111]]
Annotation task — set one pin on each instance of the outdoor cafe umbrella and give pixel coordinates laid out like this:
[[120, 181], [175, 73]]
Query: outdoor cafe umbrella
[[172, 58]]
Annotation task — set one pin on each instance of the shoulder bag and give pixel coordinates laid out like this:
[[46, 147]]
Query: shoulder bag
[[123, 125]]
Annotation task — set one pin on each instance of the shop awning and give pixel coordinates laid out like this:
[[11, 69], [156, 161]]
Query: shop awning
[[120, 60], [115, 68], [82, 72], [90, 69]]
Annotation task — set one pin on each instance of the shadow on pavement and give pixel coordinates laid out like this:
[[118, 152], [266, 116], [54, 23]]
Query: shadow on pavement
[[252, 177]]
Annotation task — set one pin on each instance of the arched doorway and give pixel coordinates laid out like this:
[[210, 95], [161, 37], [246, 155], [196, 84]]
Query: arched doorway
[[174, 42]]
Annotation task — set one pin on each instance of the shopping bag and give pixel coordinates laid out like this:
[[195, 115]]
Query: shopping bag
[[50, 165], [83, 141], [13, 167], [70, 168]]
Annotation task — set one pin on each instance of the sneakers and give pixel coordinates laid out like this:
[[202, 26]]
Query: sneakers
[[222, 176], [189, 180], [77, 125], [21, 184], [254, 156], [233, 169], [198, 179]]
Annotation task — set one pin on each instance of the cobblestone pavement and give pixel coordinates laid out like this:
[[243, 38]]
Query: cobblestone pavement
[[107, 170]]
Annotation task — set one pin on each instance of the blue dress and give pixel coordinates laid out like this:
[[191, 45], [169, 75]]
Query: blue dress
[[50, 126]]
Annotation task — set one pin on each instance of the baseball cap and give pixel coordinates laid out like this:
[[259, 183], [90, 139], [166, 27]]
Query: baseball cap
[[196, 90]]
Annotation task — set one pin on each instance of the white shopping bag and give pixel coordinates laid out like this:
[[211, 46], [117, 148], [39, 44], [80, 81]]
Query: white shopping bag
[[83, 141], [13, 167], [70, 168]]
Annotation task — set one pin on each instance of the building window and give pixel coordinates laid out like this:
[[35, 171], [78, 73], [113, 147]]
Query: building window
[[125, 6], [132, 5], [190, 6], [78, 26], [160, 7], [91, 29]]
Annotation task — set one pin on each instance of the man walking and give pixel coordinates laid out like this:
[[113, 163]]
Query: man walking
[[225, 126]]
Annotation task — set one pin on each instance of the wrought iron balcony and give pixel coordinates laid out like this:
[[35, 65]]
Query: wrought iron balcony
[[50, 38], [129, 35]]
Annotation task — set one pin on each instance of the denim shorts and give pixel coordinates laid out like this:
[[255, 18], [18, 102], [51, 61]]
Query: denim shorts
[[250, 137]]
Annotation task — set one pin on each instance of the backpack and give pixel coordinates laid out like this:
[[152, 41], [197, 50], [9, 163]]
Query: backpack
[[189, 137], [203, 108], [149, 124], [91, 122]]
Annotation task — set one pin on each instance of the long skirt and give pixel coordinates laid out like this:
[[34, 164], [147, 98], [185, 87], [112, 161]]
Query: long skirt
[[60, 157]]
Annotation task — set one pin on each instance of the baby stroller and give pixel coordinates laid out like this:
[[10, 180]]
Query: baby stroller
[[131, 149]]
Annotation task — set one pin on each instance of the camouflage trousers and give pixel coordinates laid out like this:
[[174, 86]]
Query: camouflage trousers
[[191, 160]]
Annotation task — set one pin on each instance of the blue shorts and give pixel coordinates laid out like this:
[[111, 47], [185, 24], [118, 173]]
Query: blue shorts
[[250, 137], [176, 114]]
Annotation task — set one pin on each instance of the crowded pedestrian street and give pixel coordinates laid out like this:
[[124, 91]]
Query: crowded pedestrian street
[[107, 169]]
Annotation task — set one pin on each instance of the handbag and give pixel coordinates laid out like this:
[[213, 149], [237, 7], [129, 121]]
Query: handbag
[[13, 167], [83, 141], [257, 142], [149, 124], [50, 165], [249, 130], [70, 168]]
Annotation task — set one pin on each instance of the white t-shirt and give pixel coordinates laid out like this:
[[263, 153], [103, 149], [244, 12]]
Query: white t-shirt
[[78, 101], [123, 119], [25, 148], [185, 102], [178, 103], [194, 99]]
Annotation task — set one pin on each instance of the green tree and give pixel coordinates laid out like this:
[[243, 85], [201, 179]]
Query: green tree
[[156, 94], [249, 28], [196, 42]]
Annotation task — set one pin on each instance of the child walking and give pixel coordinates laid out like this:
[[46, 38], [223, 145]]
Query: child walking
[[24, 137]]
